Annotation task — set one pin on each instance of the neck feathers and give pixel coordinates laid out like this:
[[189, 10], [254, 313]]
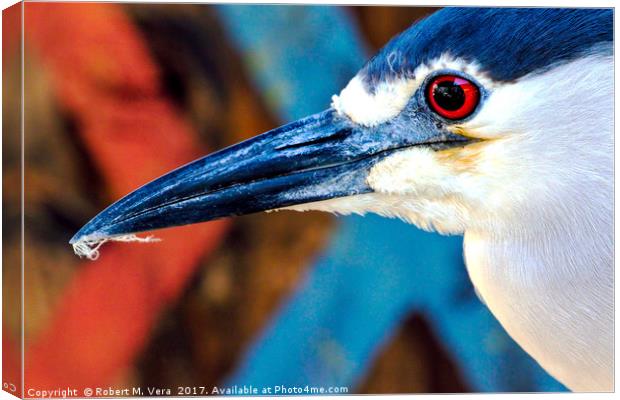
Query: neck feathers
[[545, 268]]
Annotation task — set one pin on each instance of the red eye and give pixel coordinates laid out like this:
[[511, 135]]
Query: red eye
[[452, 97]]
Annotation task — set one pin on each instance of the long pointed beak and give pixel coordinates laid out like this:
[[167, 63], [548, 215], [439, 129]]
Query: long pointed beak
[[316, 158]]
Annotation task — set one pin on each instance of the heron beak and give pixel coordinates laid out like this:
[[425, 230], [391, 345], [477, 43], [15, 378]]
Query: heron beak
[[320, 157]]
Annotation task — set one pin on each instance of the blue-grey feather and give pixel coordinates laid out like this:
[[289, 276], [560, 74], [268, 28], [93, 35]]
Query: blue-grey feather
[[508, 43]]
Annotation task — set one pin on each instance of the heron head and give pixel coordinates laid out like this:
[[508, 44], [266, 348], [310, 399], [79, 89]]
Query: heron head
[[463, 119]]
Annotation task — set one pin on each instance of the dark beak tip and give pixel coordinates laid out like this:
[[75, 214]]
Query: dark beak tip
[[78, 237], [88, 232]]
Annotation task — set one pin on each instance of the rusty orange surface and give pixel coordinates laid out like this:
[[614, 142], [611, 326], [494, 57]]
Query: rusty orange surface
[[104, 77]]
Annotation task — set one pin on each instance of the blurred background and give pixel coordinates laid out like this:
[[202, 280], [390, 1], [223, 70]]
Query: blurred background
[[117, 94]]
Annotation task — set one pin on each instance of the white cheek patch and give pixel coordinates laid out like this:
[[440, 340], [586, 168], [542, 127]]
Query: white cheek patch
[[413, 171], [533, 104], [368, 109], [411, 185]]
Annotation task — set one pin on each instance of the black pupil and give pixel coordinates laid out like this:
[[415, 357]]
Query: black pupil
[[449, 95]]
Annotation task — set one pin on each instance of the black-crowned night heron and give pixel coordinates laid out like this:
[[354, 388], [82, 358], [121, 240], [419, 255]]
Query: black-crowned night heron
[[492, 123]]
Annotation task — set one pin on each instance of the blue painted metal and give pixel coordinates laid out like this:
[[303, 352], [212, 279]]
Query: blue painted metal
[[375, 271], [292, 48]]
